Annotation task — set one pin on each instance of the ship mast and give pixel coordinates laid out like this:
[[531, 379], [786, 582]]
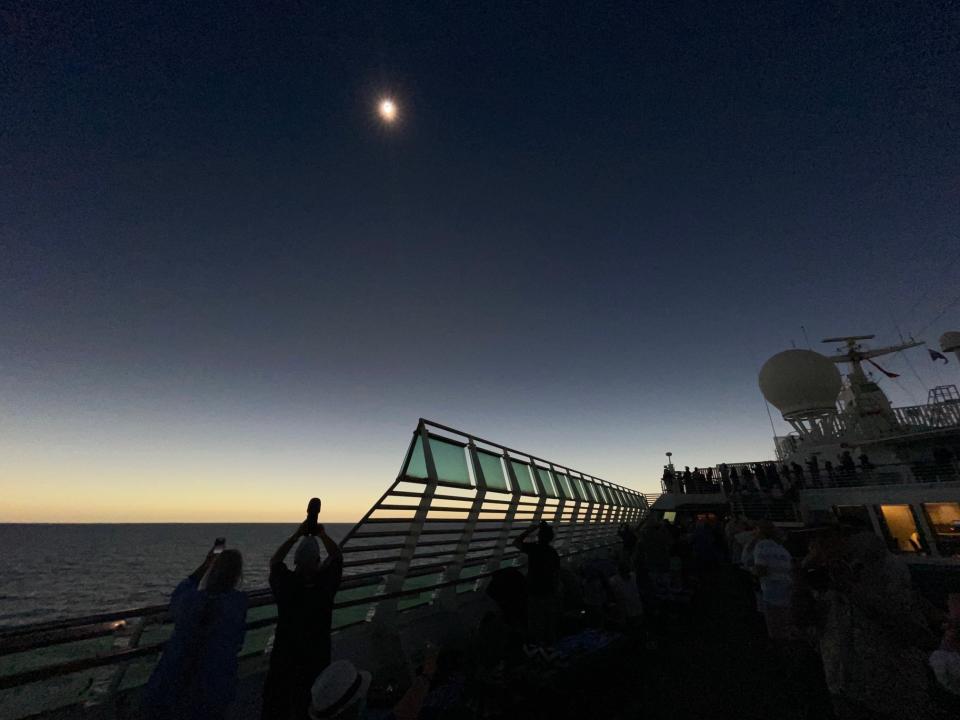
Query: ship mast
[[867, 403], [855, 353]]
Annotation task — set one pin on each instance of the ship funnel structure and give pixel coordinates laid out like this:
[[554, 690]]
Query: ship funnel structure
[[950, 342], [801, 384]]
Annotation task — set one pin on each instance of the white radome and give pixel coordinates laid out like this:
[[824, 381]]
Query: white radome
[[950, 341], [800, 384]]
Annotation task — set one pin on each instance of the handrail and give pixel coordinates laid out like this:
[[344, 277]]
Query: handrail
[[122, 656], [462, 549]]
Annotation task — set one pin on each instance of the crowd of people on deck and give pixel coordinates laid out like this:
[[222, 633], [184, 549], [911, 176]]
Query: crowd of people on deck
[[836, 591], [785, 479]]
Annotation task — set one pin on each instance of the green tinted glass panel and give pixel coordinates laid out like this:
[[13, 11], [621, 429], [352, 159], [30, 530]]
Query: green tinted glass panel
[[618, 497], [576, 487], [605, 492], [492, 471], [581, 492], [524, 481], [591, 490], [451, 462], [565, 486], [417, 466], [546, 479]]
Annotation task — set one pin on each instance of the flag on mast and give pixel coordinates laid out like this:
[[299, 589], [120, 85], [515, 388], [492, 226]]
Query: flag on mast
[[934, 355]]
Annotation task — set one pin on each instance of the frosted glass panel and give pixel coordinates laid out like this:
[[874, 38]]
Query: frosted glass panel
[[451, 462], [417, 466], [546, 479], [492, 471], [524, 481]]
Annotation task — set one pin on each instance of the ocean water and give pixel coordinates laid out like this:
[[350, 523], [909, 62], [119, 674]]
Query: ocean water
[[49, 572]]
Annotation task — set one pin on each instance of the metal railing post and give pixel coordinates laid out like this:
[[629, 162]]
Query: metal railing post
[[387, 609], [448, 596]]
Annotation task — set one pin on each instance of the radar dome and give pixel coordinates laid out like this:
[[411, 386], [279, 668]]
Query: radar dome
[[950, 341], [800, 384]]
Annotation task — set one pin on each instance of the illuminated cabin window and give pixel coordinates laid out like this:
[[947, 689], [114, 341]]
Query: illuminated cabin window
[[944, 521], [900, 527]]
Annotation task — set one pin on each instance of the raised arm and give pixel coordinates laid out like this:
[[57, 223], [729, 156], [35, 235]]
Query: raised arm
[[333, 550], [282, 551], [198, 574], [518, 540]]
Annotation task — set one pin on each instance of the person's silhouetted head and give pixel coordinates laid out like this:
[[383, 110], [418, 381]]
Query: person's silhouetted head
[[545, 533], [226, 573], [306, 559]]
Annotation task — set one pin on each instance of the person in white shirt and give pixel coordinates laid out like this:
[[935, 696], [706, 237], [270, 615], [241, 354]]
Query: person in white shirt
[[627, 609], [773, 565]]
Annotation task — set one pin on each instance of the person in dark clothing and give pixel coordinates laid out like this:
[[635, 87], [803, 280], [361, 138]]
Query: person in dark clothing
[[687, 481], [813, 464], [734, 480], [543, 583], [725, 484], [196, 677], [848, 466], [761, 477], [799, 481], [748, 482], [301, 646], [831, 474], [668, 480]]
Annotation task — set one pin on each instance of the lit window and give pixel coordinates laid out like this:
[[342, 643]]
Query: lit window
[[944, 521], [901, 529]]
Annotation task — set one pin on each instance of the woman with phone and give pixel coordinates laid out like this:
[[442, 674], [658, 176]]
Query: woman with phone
[[196, 676]]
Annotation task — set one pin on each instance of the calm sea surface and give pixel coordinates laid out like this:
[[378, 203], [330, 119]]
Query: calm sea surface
[[49, 572]]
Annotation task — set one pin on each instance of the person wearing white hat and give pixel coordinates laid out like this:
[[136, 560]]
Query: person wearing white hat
[[339, 692]]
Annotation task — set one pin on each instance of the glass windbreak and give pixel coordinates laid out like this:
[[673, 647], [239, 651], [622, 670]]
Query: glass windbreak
[[900, 528], [944, 521], [524, 481], [565, 490], [449, 458], [577, 488], [591, 491], [605, 494], [546, 480], [492, 469]]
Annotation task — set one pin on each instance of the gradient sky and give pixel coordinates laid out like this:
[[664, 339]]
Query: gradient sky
[[224, 287]]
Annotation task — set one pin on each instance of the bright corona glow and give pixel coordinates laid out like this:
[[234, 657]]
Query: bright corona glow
[[388, 110]]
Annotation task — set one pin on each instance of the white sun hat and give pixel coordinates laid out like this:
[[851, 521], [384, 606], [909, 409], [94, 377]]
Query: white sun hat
[[337, 689]]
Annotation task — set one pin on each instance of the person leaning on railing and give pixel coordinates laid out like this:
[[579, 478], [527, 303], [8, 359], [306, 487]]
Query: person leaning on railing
[[196, 677], [543, 583]]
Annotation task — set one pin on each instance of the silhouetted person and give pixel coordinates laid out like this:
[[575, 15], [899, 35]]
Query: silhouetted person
[[773, 477], [668, 481], [196, 677], [813, 465], [725, 479], [799, 481], [301, 645], [748, 481], [735, 479], [760, 476], [831, 473], [848, 466], [543, 583], [699, 482], [687, 480]]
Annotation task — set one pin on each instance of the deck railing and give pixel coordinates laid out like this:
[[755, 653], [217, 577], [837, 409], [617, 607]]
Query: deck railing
[[443, 527]]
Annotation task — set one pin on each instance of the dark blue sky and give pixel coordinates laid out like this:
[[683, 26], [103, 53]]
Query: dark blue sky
[[586, 233]]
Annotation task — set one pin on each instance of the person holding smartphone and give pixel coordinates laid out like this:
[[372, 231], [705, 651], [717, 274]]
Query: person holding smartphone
[[196, 677], [304, 597]]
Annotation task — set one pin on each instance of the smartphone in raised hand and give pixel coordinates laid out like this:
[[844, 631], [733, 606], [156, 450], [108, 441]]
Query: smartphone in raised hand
[[218, 545]]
